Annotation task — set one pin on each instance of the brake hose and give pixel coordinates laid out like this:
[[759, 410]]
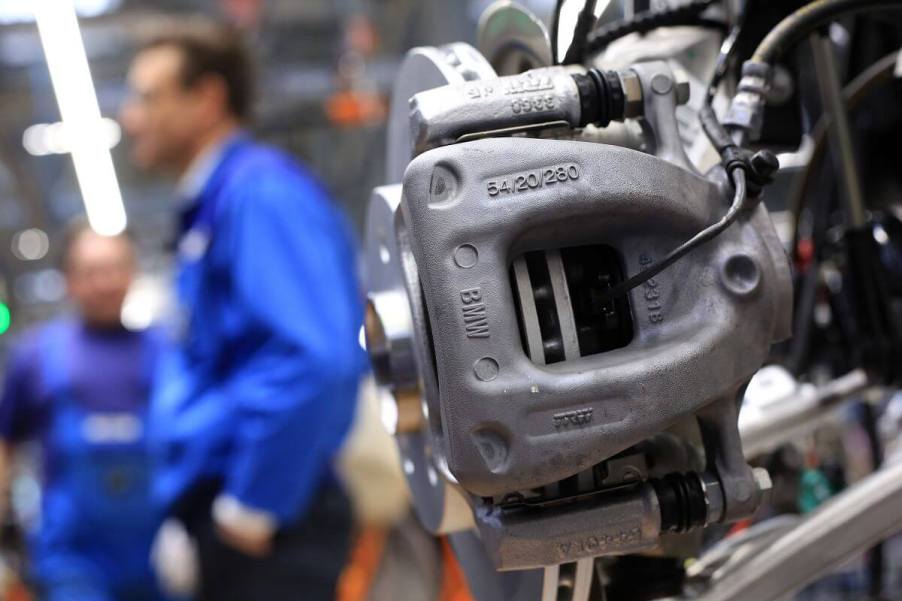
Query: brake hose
[[735, 160], [799, 24]]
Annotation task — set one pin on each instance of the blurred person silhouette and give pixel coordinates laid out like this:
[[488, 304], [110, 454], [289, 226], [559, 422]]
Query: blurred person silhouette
[[255, 402], [79, 385]]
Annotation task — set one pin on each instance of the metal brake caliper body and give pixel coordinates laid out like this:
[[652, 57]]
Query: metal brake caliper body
[[543, 399]]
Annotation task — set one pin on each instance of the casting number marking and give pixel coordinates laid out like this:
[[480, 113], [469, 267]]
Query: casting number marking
[[532, 104], [652, 293], [533, 180]]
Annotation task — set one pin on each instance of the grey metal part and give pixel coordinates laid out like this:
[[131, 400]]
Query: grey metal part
[[439, 502], [484, 581], [733, 551], [385, 288], [541, 96], [746, 113], [739, 488], [845, 526], [489, 412], [690, 52], [696, 319], [423, 69], [512, 38], [628, 134], [660, 97], [621, 521], [632, 94], [797, 414]]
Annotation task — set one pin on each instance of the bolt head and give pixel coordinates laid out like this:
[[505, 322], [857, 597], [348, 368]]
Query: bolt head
[[765, 163], [661, 84], [632, 94]]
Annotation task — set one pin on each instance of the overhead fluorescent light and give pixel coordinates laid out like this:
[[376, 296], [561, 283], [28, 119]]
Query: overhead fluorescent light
[[80, 112], [21, 11], [42, 139]]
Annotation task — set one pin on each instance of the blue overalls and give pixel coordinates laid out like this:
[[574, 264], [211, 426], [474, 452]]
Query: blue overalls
[[97, 520]]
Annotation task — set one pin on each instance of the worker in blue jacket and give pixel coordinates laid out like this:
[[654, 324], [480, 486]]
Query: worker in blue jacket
[[79, 386], [253, 406]]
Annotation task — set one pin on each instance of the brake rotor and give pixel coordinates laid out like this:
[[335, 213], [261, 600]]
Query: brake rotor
[[425, 68], [394, 309]]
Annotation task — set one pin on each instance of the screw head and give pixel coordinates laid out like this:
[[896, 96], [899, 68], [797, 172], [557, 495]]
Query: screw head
[[661, 84], [765, 163]]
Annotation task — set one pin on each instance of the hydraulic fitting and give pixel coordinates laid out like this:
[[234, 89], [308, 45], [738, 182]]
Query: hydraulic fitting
[[746, 112]]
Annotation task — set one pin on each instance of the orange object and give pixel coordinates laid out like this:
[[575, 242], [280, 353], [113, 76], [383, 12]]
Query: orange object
[[359, 573], [740, 526], [366, 557], [454, 584], [349, 108]]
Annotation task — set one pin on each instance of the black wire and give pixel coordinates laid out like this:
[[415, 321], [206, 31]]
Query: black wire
[[786, 33], [716, 133], [684, 14], [555, 27], [723, 62], [709, 233], [576, 53]]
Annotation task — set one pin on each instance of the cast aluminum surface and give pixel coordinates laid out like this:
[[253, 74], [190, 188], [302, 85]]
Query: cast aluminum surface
[[714, 312], [536, 98], [423, 69], [491, 421]]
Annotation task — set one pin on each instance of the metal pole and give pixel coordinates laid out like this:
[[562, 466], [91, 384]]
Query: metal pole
[[847, 525], [840, 133], [798, 413]]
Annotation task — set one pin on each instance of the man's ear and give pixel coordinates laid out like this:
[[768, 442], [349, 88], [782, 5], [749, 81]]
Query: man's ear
[[213, 93]]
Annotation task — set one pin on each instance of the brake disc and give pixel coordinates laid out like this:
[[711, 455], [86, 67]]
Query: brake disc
[[391, 320]]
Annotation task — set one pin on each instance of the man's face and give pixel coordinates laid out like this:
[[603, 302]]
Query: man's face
[[99, 272], [162, 116]]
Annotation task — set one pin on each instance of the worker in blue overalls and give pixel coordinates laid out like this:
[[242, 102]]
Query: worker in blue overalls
[[257, 398], [79, 386]]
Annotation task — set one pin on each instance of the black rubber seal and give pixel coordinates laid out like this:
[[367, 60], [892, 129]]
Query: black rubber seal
[[601, 97]]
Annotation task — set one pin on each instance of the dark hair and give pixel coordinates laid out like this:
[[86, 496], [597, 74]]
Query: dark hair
[[77, 228], [208, 49]]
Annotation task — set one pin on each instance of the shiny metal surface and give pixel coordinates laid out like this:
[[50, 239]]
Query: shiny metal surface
[[512, 38]]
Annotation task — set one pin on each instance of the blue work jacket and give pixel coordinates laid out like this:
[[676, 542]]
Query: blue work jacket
[[261, 387]]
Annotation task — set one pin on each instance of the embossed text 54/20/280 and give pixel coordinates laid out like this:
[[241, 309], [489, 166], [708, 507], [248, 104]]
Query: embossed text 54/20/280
[[533, 180]]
